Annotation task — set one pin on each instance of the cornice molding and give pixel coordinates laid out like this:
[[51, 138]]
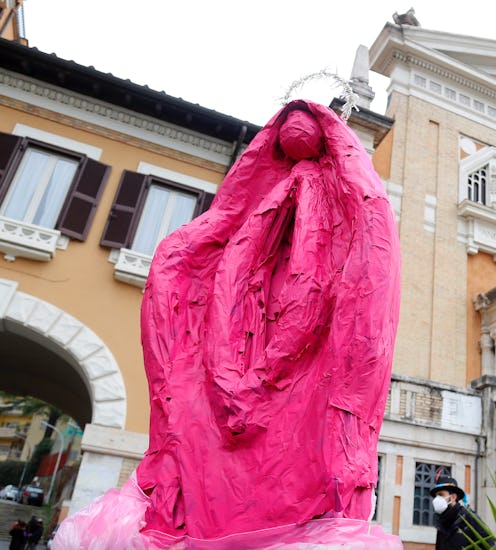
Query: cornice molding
[[107, 111], [115, 135], [410, 59]]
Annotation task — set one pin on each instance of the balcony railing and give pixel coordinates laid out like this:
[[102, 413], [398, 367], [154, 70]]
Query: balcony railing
[[8, 433], [132, 267], [20, 239]]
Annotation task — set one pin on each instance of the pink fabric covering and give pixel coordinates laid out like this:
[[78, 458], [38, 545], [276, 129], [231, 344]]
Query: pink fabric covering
[[268, 327], [113, 522], [300, 136]]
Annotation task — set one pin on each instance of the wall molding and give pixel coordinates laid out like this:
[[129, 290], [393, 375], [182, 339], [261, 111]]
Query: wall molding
[[110, 116]]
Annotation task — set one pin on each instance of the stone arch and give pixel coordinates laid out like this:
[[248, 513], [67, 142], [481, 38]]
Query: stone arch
[[68, 336]]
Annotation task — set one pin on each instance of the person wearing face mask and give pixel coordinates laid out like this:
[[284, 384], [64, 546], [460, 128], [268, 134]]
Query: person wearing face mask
[[452, 515]]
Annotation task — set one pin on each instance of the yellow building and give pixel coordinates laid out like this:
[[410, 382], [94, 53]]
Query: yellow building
[[14, 428], [85, 158]]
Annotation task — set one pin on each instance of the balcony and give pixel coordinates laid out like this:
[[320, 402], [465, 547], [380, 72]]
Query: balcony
[[132, 267], [8, 433], [433, 404], [24, 240]]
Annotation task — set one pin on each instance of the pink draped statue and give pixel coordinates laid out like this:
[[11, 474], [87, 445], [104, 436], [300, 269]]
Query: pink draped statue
[[268, 328]]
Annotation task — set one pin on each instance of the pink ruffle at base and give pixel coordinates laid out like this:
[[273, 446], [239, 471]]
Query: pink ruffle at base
[[113, 522]]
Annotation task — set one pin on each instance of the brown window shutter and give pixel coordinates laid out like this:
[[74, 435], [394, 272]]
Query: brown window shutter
[[124, 214], [9, 146], [206, 201], [80, 205]]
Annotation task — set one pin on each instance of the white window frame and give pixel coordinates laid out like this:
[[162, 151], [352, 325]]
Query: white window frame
[[43, 182], [474, 162], [164, 228]]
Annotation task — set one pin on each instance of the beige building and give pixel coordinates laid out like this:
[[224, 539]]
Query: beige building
[[71, 274], [438, 165]]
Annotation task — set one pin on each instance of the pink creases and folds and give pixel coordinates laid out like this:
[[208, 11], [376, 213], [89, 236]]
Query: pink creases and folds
[[268, 327], [113, 522]]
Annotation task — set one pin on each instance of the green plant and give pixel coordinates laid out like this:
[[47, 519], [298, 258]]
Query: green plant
[[43, 448], [482, 538], [10, 472]]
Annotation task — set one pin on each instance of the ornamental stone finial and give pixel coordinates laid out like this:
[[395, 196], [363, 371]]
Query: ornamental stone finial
[[360, 78]]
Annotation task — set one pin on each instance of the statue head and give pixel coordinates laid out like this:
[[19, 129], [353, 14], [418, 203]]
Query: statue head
[[300, 136]]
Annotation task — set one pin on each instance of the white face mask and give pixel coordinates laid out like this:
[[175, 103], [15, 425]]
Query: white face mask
[[439, 504]]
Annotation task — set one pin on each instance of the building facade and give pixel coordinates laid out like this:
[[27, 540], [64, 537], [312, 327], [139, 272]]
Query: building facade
[[87, 161], [111, 157], [437, 163]]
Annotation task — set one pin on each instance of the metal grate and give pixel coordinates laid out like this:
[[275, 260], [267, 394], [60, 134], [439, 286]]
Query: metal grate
[[425, 479]]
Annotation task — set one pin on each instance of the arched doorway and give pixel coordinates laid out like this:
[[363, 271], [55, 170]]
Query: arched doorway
[[59, 358], [51, 355]]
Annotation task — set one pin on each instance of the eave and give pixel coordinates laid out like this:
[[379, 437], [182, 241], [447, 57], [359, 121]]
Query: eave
[[397, 44], [88, 81]]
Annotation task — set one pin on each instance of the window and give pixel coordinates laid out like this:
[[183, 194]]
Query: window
[[420, 81], [378, 488], [145, 210], [39, 187], [450, 93], [478, 106], [11, 424], [435, 87], [476, 185], [45, 191], [165, 210], [425, 479], [477, 199], [4, 450]]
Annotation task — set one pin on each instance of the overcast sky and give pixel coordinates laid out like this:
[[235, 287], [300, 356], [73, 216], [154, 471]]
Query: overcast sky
[[235, 57]]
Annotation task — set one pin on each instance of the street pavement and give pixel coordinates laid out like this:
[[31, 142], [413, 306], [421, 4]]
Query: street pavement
[[10, 512], [4, 545]]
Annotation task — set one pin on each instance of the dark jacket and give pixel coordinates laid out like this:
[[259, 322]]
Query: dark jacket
[[35, 530], [452, 529], [18, 534]]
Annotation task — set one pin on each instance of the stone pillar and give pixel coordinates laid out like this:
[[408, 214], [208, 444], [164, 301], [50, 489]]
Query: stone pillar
[[485, 303], [486, 460], [104, 451], [487, 351], [360, 78]]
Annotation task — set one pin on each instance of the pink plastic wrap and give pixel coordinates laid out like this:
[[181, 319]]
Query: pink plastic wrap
[[113, 522], [268, 327]]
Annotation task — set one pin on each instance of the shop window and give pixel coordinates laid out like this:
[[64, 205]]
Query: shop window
[[425, 479]]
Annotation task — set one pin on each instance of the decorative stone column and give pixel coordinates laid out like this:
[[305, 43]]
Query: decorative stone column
[[485, 304], [487, 350]]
